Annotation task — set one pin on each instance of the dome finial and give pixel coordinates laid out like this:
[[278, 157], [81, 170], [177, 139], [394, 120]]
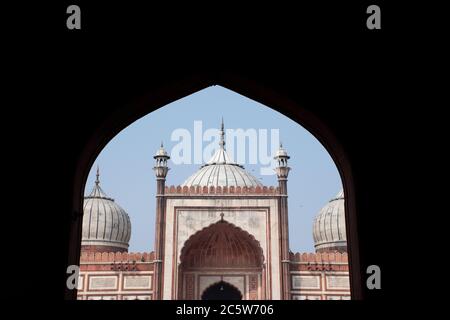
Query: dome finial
[[222, 136], [97, 180], [162, 145]]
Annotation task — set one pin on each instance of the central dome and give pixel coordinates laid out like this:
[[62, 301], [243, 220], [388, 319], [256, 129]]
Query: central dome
[[220, 171]]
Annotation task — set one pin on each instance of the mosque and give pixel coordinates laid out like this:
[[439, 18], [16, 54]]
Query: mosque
[[220, 235]]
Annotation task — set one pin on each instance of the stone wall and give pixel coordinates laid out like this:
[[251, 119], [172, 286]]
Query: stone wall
[[116, 276], [122, 276], [320, 276]]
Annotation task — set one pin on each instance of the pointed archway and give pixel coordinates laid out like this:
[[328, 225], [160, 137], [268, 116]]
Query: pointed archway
[[221, 291], [220, 251]]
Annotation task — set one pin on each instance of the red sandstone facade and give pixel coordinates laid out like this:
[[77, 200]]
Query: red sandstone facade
[[128, 276], [223, 231]]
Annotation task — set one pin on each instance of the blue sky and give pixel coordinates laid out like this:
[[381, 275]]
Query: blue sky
[[126, 162]]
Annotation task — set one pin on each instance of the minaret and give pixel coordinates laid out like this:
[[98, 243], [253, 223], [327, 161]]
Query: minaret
[[282, 171], [161, 170]]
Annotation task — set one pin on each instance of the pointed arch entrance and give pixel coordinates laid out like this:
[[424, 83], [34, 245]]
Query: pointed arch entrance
[[221, 261], [221, 291]]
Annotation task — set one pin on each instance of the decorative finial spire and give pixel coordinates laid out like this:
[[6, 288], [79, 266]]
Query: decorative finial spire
[[222, 136], [162, 146], [281, 145], [97, 181]]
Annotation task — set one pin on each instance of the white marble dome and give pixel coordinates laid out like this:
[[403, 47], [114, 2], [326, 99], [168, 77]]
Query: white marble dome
[[223, 175], [329, 226], [221, 171], [106, 226]]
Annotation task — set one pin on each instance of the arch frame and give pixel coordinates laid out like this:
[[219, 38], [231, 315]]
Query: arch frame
[[170, 91], [194, 237]]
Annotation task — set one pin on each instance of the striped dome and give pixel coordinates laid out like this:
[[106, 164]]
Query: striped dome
[[106, 226], [329, 226], [223, 175], [221, 171]]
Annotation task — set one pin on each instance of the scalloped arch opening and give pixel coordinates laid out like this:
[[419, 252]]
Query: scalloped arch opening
[[221, 245]]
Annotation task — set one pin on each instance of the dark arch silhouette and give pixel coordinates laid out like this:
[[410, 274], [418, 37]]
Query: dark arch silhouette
[[124, 115], [221, 291]]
